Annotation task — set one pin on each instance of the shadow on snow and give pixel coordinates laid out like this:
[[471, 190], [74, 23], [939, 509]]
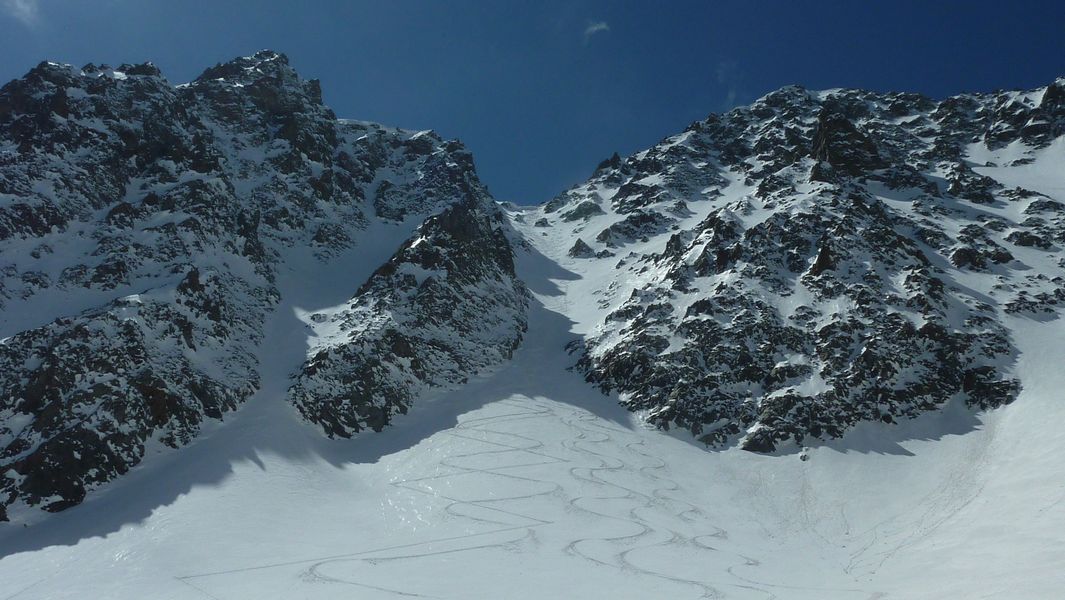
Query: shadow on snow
[[269, 426]]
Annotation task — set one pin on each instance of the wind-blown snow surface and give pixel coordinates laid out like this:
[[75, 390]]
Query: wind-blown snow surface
[[527, 484]]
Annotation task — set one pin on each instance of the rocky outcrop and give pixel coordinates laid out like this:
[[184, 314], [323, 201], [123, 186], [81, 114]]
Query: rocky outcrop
[[85, 394], [446, 306], [580, 249], [839, 145]]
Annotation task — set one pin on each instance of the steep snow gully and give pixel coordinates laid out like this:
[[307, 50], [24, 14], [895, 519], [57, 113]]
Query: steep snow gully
[[526, 484]]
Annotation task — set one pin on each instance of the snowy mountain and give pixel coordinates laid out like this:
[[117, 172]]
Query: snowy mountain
[[142, 230], [827, 326], [782, 272]]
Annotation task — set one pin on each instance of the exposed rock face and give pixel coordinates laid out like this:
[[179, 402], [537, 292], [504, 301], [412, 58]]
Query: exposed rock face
[[141, 229], [819, 259], [580, 249], [582, 211], [84, 394], [840, 143], [446, 306]]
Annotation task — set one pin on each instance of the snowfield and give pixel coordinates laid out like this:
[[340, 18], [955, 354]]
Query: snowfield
[[529, 484]]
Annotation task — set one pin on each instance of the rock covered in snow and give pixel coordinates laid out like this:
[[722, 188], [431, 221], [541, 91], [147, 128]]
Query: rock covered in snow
[[795, 267], [446, 306], [142, 227]]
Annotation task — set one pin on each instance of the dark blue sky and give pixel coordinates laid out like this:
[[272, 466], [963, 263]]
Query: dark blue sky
[[542, 91]]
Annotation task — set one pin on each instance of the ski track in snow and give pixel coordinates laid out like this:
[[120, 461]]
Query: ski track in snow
[[585, 429], [586, 457]]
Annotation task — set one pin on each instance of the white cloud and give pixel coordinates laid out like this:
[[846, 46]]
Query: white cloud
[[730, 76], [23, 10], [593, 28]]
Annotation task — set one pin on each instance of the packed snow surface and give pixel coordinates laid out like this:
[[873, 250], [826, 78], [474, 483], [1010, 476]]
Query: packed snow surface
[[527, 483]]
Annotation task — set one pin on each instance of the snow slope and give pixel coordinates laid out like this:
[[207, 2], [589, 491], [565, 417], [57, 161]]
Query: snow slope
[[527, 484]]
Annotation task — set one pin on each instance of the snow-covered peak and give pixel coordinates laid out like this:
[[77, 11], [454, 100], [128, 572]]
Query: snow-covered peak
[[781, 272], [148, 231]]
